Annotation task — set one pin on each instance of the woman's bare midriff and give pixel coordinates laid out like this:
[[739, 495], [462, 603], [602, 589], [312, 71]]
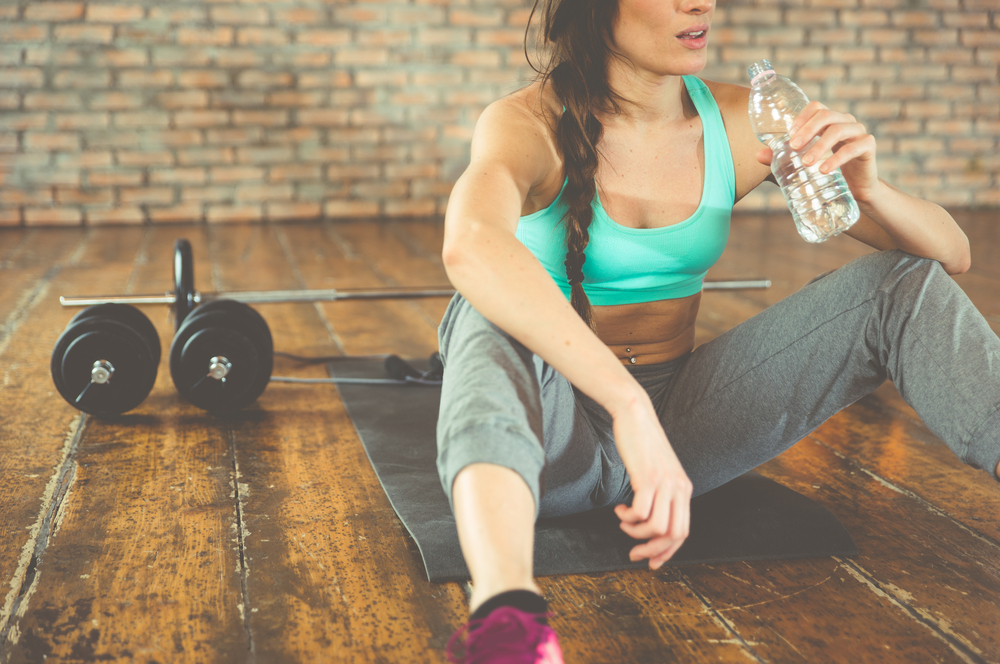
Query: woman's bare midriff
[[649, 332]]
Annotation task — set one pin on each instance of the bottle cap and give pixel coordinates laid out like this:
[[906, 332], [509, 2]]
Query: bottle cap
[[758, 70]]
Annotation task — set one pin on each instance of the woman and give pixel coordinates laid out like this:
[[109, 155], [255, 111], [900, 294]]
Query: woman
[[572, 383]]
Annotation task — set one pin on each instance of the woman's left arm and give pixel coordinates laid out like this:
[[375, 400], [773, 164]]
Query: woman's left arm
[[894, 219]]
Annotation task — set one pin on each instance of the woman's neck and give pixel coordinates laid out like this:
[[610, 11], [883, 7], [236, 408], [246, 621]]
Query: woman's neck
[[650, 100]]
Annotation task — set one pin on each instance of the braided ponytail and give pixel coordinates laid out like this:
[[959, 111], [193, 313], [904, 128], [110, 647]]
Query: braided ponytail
[[579, 32]]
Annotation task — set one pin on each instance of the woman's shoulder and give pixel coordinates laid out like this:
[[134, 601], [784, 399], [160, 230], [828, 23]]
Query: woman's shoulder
[[733, 101], [519, 130]]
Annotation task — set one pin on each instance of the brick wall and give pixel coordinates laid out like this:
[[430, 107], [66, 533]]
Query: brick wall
[[213, 110]]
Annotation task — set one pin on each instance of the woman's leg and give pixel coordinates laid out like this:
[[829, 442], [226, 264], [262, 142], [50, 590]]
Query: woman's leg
[[749, 394], [507, 419]]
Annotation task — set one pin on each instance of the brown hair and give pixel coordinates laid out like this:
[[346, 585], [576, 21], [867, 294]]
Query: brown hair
[[579, 34]]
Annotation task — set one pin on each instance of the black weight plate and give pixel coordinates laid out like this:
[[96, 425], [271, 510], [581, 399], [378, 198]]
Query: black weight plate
[[220, 333], [130, 316], [260, 331], [92, 339], [183, 281]]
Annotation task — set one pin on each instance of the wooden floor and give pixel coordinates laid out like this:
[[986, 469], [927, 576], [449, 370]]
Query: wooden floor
[[172, 535]]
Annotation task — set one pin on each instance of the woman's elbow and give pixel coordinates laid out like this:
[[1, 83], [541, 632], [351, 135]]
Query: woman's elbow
[[962, 261]]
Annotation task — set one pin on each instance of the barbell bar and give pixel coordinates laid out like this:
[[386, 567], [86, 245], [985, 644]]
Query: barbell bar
[[184, 298]]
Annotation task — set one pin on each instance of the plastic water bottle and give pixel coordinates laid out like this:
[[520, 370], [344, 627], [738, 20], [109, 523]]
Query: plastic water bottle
[[821, 203]]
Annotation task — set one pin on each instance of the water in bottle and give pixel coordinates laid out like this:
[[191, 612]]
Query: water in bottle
[[821, 203]]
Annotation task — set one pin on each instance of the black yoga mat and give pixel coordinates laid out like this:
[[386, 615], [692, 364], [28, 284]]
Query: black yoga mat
[[750, 518]]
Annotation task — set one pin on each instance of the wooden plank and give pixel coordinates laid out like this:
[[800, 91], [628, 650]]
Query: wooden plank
[[940, 573], [142, 564], [329, 568]]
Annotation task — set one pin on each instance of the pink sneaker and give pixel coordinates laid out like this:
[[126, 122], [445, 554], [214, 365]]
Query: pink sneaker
[[506, 636]]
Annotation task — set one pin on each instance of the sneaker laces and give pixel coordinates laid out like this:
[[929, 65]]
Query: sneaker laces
[[506, 635]]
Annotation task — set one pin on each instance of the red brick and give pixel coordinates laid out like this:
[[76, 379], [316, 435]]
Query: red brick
[[727, 35], [835, 36], [438, 77], [176, 56], [333, 79], [261, 37], [114, 177], [178, 138], [380, 77], [10, 34], [159, 78], [53, 11], [418, 16], [290, 211], [54, 216], [115, 101], [354, 14], [49, 176], [264, 155], [294, 172], [146, 195], [324, 37], [966, 19], [203, 79], [219, 175], [264, 192], [185, 212], [807, 17], [951, 56], [234, 213], [384, 37], [477, 18], [142, 119], [352, 171], [902, 90], [22, 78], [777, 36], [22, 121], [895, 55], [119, 215], [812, 55], [215, 194], [78, 160], [360, 56], [298, 16], [75, 79], [239, 15], [323, 154], [190, 175], [936, 37], [914, 19], [240, 136], [350, 208], [114, 13], [220, 36], [120, 57], [193, 156], [307, 60], [145, 158], [51, 141], [263, 79], [240, 57], [66, 121], [518, 18], [178, 15], [874, 110], [414, 207], [77, 196], [499, 37], [988, 56], [973, 74], [951, 91], [920, 145], [323, 117], [923, 73], [353, 135], [183, 99], [864, 18], [89, 34], [293, 136]]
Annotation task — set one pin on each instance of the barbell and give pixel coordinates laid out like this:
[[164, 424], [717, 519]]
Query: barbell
[[222, 354]]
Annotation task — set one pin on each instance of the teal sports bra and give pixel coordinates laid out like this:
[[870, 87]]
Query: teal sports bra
[[630, 265]]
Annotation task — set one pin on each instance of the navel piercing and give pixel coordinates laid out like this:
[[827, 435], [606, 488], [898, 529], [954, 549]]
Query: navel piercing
[[630, 358]]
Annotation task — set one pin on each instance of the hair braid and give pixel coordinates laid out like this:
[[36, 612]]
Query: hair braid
[[579, 32]]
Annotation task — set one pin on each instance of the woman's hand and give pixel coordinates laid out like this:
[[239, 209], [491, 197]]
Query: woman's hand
[[853, 147], [661, 507]]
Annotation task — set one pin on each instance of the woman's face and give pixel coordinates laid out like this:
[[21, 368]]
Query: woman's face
[[660, 36]]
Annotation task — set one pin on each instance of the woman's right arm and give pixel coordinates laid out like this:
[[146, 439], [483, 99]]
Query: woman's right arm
[[512, 154]]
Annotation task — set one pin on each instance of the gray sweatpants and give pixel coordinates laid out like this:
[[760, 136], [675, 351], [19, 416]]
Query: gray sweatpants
[[738, 400]]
